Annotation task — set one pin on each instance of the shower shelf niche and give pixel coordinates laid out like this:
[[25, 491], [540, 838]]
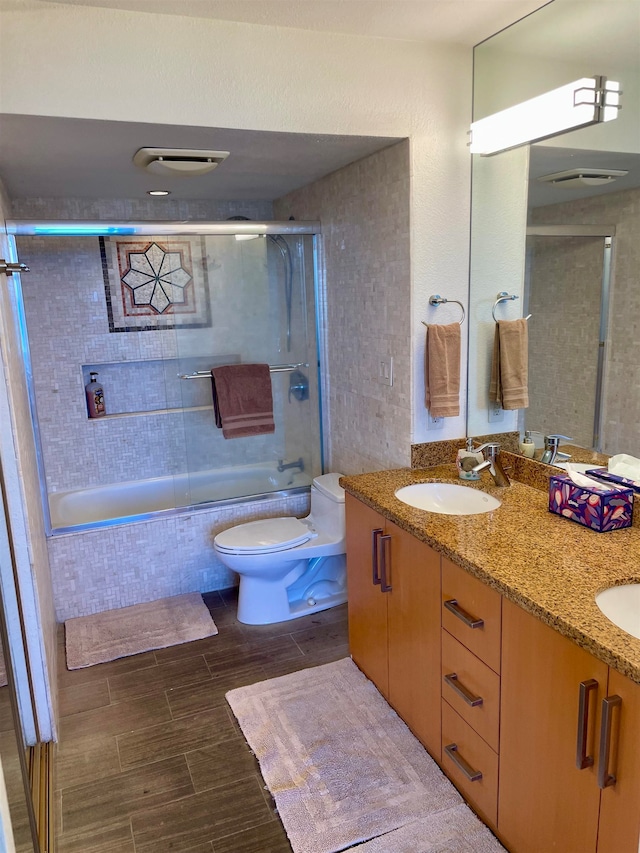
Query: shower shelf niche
[[153, 386]]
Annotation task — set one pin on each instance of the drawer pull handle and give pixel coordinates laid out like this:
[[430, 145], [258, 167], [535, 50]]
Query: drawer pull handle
[[582, 759], [470, 698], [605, 778], [471, 774], [453, 607], [384, 542], [375, 534]]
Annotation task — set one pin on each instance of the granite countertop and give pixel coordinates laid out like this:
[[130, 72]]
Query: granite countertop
[[550, 566]]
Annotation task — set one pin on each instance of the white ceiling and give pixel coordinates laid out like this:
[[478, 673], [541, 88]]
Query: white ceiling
[[459, 21]]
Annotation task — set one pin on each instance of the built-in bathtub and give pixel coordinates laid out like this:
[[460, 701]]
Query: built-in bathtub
[[132, 500], [131, 542]]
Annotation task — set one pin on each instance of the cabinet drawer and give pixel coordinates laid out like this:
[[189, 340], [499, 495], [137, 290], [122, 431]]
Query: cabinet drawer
[[471, 688], [465, 754], [471, 612]]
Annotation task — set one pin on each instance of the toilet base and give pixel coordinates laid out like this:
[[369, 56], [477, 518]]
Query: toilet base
[[311, 586]]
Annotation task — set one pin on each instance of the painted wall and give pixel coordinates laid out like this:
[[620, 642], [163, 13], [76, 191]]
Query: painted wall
[[215, 73]]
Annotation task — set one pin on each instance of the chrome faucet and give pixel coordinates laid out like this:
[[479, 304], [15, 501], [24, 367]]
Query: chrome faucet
[[282, 466], [491, 451], [551, 452]]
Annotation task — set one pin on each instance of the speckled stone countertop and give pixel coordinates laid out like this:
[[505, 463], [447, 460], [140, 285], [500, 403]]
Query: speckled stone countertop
[[550, 566]]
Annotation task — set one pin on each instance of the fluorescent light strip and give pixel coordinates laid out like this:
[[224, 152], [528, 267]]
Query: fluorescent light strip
[[587, 101]]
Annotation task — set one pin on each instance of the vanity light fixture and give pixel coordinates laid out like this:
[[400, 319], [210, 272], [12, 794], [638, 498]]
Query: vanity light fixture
[[590, 100]]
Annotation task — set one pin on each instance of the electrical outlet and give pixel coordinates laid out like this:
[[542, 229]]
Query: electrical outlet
[[496, 413], [434, 423], [385, 371]]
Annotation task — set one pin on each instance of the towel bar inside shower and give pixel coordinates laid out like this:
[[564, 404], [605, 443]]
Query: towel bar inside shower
[[273, 368]]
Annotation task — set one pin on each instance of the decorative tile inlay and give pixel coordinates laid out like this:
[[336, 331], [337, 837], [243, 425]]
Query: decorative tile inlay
[[155, 283]]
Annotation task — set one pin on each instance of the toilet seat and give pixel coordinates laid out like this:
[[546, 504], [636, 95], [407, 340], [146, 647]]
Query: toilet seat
[[264, 537]]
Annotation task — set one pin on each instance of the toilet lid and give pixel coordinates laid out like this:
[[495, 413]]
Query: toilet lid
[[264, 537]]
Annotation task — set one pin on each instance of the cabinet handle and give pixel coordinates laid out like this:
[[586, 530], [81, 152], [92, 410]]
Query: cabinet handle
[[375, 534], [470, 698], [605, 778], [453, 607], [582, 759], [383, 542], [471, 774]]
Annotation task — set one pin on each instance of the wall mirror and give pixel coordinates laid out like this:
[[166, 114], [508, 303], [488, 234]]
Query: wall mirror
[[568, 248]]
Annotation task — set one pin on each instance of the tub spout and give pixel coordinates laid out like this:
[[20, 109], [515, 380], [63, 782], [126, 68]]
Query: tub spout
[[283, 466]]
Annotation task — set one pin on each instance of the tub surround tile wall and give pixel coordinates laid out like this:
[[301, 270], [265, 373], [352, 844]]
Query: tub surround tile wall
[[621, 404], [364, 209], [127, 564]]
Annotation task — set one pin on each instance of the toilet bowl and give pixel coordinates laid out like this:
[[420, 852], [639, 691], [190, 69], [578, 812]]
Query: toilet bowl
[[290, 567]]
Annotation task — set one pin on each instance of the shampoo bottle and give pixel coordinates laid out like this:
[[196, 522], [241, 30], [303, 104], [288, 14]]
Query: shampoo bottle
[[95, 397], [527, 445]]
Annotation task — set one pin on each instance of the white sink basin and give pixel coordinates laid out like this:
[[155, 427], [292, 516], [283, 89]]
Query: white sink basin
[[447, 498], [621, 604]]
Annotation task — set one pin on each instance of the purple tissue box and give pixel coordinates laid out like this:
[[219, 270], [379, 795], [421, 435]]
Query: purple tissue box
[[594, 508]]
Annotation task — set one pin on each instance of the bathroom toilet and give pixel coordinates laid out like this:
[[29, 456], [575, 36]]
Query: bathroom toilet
[[290, 567]]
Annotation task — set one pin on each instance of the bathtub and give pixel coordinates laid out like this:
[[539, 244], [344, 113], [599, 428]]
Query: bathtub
[[137, 499]]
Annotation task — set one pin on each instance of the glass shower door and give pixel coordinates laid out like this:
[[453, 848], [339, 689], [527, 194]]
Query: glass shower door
[[260, 307]]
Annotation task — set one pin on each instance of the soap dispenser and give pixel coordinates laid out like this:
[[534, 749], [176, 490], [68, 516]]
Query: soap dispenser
[[466, 460], [95, 397], [527, 445]]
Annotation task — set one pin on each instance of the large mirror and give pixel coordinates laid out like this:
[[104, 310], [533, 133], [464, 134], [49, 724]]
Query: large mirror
[[567, 248]]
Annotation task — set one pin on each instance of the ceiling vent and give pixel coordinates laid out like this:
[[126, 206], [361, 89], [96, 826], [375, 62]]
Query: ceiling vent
[[576, 178], [178, 162]]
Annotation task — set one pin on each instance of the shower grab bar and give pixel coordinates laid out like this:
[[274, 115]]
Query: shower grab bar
[[273, 368], [503, 296]]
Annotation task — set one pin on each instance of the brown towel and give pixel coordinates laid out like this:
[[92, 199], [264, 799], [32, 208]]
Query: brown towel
[[510, 365], [242, 399], [442, 371]]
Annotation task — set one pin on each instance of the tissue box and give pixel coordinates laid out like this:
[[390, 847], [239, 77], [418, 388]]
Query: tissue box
[[603, 474], [594, 508]]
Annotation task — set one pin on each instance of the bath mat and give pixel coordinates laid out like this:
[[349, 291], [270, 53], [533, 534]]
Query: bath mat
[[341, 765], [128, 631], [455, 830]]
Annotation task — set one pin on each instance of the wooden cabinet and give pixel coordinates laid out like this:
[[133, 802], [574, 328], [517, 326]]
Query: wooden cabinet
[[394, 617], [551, 745]]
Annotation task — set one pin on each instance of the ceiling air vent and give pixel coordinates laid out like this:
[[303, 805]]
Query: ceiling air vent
[[178, 161], [576, 178]]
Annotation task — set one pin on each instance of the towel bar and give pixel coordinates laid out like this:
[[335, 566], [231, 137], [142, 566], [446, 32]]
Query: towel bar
[[440, 300], [273, 368]]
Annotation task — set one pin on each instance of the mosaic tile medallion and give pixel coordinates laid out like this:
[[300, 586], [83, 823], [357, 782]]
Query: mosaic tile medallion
[[155, 283]]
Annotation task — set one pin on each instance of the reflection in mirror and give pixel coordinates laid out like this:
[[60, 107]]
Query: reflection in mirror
[[582, 293]]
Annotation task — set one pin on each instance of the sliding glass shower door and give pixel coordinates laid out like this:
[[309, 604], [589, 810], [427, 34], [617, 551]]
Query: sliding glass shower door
[[255, 303]]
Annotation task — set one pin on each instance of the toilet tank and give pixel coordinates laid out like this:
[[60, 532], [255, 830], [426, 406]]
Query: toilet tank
[[327, 504]]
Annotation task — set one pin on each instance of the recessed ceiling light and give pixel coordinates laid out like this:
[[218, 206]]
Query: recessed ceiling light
[[158, 192]]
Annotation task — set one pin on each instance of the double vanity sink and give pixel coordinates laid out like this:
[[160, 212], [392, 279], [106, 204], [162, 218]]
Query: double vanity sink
[[620, 604], [584, 584]]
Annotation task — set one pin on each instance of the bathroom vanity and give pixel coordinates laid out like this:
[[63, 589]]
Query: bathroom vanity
[[483, 633]]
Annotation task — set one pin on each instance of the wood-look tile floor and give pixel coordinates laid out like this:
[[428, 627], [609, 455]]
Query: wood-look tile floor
[[150, 758]]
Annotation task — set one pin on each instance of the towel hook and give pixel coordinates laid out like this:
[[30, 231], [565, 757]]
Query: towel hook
[[440, 300], [503, 296]]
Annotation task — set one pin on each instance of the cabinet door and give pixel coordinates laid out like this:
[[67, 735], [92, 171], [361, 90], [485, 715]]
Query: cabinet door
[[545, 802], [413, 614], [367, 604], [620, 803]]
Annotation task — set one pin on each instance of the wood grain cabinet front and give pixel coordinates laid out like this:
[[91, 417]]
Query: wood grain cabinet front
[[394, 617]]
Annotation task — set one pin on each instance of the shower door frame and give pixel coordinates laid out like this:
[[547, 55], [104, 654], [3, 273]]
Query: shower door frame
[[607, 234]]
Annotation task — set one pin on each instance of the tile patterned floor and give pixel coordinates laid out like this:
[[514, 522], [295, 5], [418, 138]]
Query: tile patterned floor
[[151, 759]]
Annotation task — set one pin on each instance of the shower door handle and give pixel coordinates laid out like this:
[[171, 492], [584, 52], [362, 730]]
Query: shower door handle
[[9, 269]]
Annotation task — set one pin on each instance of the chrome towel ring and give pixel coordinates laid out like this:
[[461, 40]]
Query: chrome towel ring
[[440, 300], [503, 296]]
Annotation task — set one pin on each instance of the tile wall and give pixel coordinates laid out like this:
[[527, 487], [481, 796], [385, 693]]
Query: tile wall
[[364, 211]]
